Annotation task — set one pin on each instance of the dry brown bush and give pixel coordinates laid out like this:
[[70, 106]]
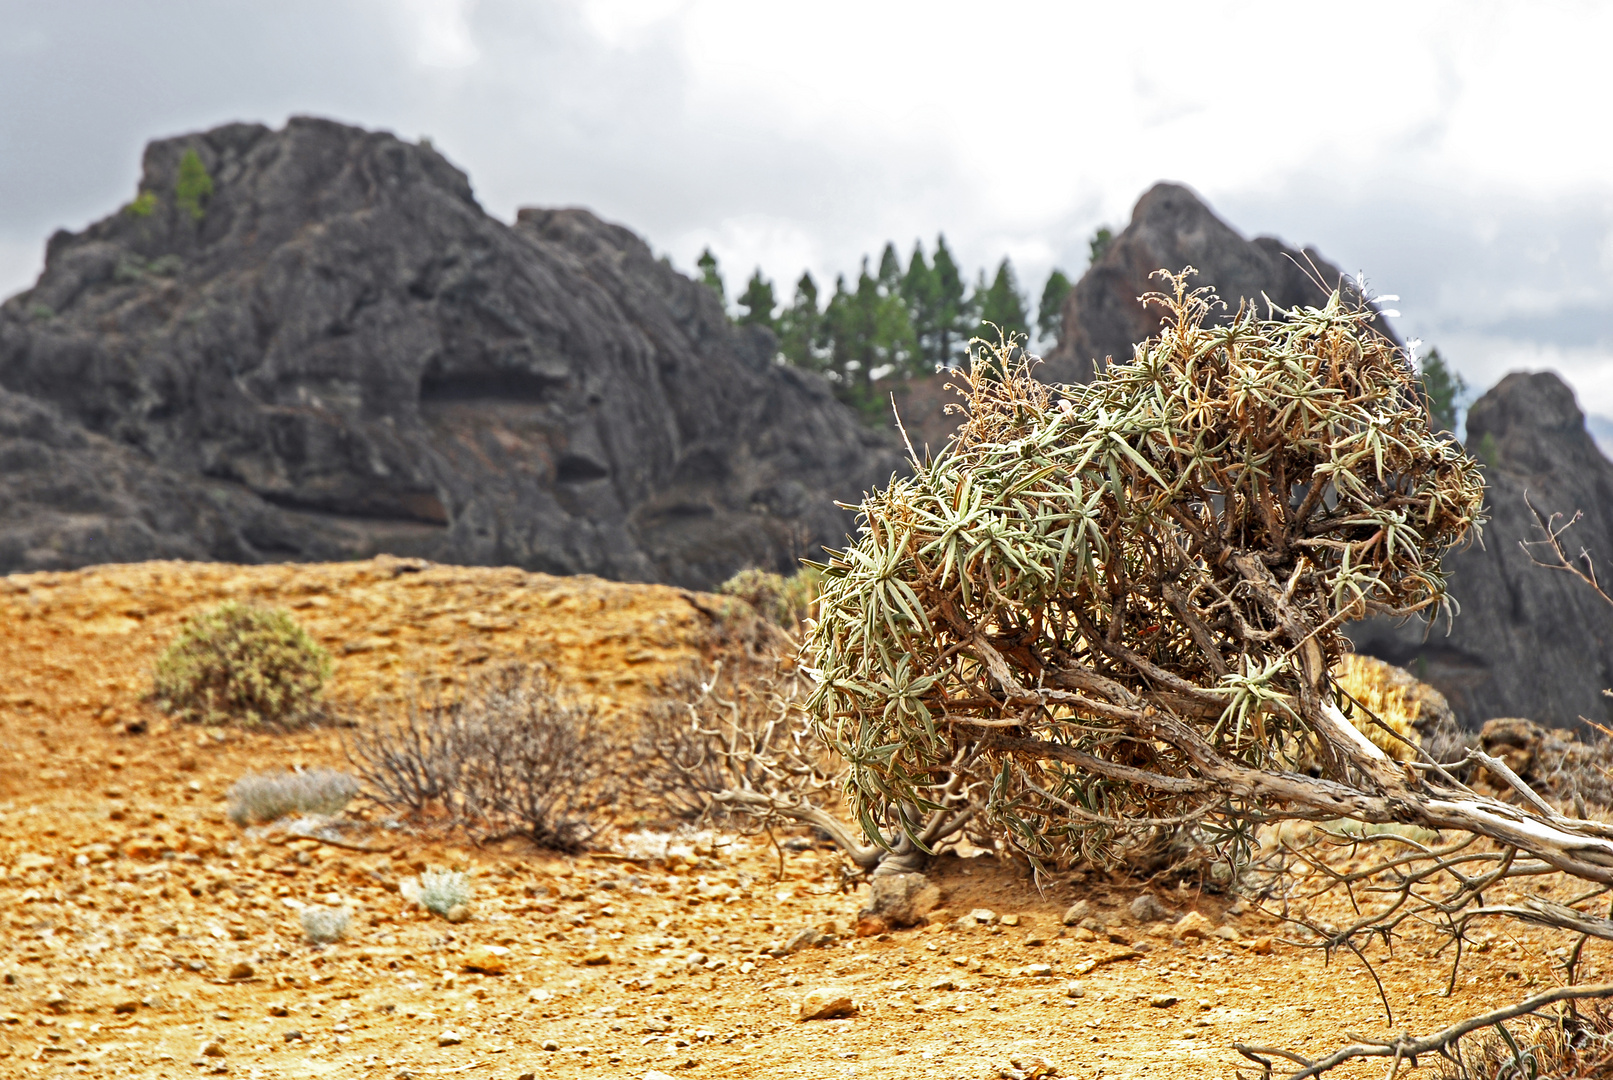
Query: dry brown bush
[[506, 756]]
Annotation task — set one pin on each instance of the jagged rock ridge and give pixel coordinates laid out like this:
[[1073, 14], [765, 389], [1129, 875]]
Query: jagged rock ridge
[[345, 355], [1171, 228], [1529, 642]]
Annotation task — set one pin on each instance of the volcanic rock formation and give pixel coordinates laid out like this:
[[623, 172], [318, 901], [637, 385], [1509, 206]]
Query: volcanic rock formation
[[1529, 642], [336, 353], [1172, 228]]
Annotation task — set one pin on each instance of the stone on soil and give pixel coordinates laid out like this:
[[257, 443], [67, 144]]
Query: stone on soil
[[826, 1003], [1147, 908], [900, 899], [488, 959], [1193, 925]]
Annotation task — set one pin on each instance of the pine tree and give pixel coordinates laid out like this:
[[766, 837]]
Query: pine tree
[[800, 326], [1100, 243], [1001, 304], [952, 323], [922, 296], [757, 302], [1443, 386], [1050, 313], [890, 271], [837, 337], [194, 186], [866, 337], [711, 276]]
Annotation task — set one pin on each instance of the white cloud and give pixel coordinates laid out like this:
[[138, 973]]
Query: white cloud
[[441, 32]]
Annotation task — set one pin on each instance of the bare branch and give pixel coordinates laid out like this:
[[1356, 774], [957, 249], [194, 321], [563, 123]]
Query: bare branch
[[1549, 553], [1406, 1048]]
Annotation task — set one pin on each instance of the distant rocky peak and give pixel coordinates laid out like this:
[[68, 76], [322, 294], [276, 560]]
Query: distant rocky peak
[[263, 186], [1172, 228], [1529, 423]]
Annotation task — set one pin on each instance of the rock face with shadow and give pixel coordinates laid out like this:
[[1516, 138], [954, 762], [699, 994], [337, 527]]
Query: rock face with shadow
[[1172, 228], [1529, 642], [337, 353]]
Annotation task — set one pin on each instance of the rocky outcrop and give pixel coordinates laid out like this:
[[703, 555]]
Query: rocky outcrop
[[1171, 228], [1529, 642], [344, 355], [70, 497]]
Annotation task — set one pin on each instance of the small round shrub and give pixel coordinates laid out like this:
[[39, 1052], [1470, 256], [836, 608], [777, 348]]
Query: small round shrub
[[321, 926], [242, 664], [779, 599], [442, 891]]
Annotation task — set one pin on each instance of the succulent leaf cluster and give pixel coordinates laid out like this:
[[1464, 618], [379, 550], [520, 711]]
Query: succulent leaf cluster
[[1178, 543]]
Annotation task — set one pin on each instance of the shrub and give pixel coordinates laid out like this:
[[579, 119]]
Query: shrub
[[731, 746], [441, 891], [241, 663], [506, 757], [142, 206], [258, 798], [321, 926], [194, 186], [1131, 593], [1575, 1046], [786, 601]]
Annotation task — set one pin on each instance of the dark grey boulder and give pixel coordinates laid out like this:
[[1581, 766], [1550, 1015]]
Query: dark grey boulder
[[346, 355]]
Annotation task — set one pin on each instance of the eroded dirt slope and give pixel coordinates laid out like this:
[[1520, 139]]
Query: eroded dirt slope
[[145, 936]]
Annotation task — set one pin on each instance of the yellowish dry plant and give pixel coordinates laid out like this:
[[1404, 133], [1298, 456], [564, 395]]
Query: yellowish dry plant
[[1362, 678]]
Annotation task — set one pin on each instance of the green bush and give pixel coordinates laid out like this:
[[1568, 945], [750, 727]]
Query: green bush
[[783, 600], [241, 663], [322, 926], [143, 205], [194, 186]]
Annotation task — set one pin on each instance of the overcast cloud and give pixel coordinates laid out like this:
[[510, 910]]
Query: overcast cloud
[[1457, 153]]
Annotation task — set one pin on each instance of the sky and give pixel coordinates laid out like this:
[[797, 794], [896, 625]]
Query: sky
[[1459, 154]]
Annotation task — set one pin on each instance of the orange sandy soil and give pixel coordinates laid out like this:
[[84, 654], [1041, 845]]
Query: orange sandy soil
[[127, 899]]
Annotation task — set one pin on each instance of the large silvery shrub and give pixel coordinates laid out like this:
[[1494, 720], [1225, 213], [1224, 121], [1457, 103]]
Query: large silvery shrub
[[1121, 606], [1130, 594]]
